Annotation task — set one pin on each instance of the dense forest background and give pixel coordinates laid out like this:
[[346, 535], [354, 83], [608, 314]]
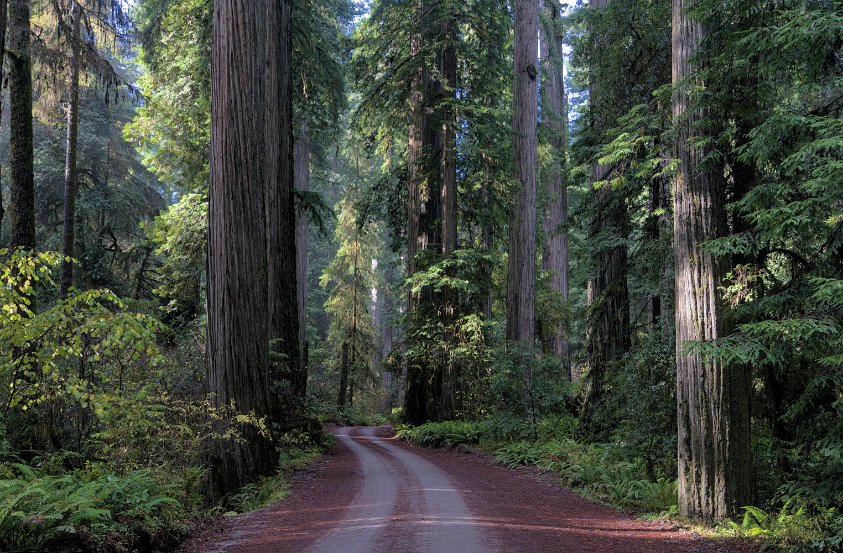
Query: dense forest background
[[604, 238]]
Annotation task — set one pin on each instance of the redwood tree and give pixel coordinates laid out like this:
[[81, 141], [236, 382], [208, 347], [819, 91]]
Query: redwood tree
[[521, 276], [70, 168], [713, 398], [554, 112], [22, 179], [238, 321], [282, 295]]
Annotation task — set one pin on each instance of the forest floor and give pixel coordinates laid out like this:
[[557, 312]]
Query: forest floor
[[373, 493]]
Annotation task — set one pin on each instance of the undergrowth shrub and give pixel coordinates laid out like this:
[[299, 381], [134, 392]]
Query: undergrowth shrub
[[598, 470], [91, 509], [442, 434]]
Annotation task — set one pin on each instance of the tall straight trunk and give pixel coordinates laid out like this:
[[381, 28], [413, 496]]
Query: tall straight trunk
[[424, 210], [21, 176], [3, 5], [448, 70], [301, 163], [282, 299], [343, 376], [521, 275], [238, 355], [713, 399], [609, 321], [70, 170], [652, 233], [555, 116]]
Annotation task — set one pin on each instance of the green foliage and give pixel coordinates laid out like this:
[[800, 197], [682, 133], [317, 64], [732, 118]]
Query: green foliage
[[92, 509], [272, 489], [180, 235], [600, 471], [443, 434], [793, 527]]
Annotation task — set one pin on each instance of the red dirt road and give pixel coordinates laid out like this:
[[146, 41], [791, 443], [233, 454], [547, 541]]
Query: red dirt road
[[376, 494]]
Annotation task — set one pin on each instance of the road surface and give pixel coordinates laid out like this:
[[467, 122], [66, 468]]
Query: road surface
[[375, 494]]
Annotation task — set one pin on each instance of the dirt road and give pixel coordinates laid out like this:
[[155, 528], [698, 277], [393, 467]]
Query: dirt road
[[375, 494]]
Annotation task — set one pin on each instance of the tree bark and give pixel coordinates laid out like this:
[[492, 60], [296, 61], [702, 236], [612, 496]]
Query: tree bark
[[3, 5], [280, 208], [555, 116], [521, 275], [21, 176], [713, 399], [301, 163], [238, 355], [343, 376], [70, 169], [448, 71]]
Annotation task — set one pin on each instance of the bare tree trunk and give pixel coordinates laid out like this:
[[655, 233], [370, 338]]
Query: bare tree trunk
[[280, 207], [521, 276], [302, 182], [555, 113], [21, 176], [713, 399], [70, 170], [238, 355]]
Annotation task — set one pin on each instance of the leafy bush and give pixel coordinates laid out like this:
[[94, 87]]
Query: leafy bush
[[793, 526], [597, 470], [443, 434], [92, 509], [274, 488]]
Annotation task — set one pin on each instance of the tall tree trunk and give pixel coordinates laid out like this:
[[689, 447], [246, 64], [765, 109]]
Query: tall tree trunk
[[280, 208], [609, 326], [70, 170], [713, 399], [302, 183], [343, 376], [238, 355], [555, 116], [3, 5], [21, 176], [448, 71], [425, 211], [521, 276]]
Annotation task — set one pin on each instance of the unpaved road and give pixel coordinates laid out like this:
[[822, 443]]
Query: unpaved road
[[375, 494]]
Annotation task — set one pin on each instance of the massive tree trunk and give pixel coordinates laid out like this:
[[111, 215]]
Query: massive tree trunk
[[713, 399], [424, 376], [280, 209], [555, 116], [238, 339], [70, 171], [302, 183], [609, 326], [21, 176], [521, 276]]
